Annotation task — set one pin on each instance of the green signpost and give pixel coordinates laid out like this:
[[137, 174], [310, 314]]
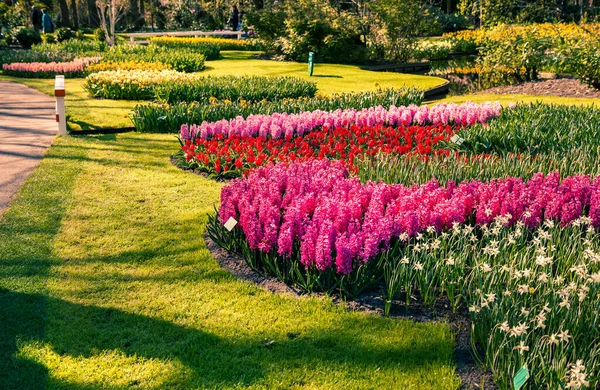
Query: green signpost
[[311, 63], [520, 378]]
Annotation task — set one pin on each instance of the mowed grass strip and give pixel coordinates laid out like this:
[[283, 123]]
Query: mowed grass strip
[[124, 293]]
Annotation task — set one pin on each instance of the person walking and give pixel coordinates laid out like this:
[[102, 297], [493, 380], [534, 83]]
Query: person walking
[[47, 22], [234, 18], [36, 19], [241, 14]]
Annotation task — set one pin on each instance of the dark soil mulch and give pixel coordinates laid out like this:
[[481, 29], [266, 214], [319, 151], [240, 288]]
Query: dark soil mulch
[[471, 375], [556, 87]]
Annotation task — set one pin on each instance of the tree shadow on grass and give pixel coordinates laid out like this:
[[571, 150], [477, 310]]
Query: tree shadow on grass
[[84, 331]]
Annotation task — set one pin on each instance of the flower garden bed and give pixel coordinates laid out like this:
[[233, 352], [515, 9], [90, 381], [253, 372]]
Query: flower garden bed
[[75, 68], [168, 118], [520, 250], [171, 86], [229, 148]]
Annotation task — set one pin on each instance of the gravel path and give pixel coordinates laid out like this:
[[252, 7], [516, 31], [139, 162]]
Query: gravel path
[[555, 87]]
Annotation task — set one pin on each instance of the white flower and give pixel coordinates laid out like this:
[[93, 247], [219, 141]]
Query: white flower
[[450, 260], [474, 309], [543, 261], [549, 223], [504, 327], [543, 277], [519, 329], [404, 260], [521, 347], [486, 268], [544, 235], [430, 229], [435, 244], [456, 227], [595, 277], [491, 250], [524, 311], [419, 266], [565, 303], [523, 289], [507, 293], [541, 318], [586, 220], [564, 336], [553, 339], [491, 297], [579, 270], [488, 212], [576, 376], [403, 236]]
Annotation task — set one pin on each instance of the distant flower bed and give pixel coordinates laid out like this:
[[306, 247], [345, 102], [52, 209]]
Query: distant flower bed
[[42, 70], [221, 43], [168, 118], [127, 65], [172, 86]]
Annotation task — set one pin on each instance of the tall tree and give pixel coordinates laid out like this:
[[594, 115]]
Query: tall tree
[[93, 18], [65, 20], [75, 18], [111, 12]]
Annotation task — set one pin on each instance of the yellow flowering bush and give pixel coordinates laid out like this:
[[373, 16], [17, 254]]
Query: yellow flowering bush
[[133, 84], [128, 65], [221, 43]]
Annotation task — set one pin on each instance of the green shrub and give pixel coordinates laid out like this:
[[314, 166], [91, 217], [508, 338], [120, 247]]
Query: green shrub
[[295, 28], [182, 60], [99, 35], [168, 118], [582, 60], [235, 88], [27, 37], [513, 60], [48, 38], [72, 46], [210, 47], [64, 34]]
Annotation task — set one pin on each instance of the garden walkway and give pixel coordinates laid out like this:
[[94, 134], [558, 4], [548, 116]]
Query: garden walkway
[[27, 128]]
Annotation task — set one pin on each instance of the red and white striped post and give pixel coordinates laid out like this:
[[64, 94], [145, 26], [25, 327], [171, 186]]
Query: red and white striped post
[[59, 93]]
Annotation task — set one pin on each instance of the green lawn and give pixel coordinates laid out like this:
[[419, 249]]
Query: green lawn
[[105, 282], [330, 78]]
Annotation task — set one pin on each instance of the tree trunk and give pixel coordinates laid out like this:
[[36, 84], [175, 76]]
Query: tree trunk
[[75, 18], [64, 13], [133, 13], [142, 10], [93, 19]]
